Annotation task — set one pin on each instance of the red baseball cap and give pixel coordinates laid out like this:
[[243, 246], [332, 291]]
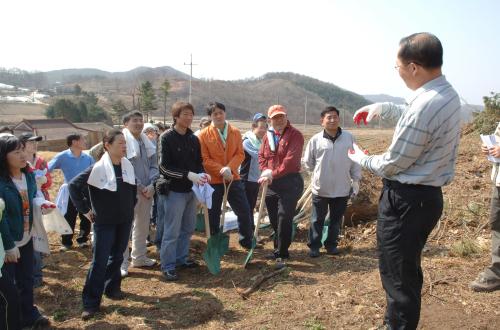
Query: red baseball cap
[[276, 109]]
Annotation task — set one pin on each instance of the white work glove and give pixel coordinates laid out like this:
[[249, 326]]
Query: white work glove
[[207, 177], [90, 215], [148, 191], [12, 255], [198, 178], [266, 176], [355, 189], [356, 154], [367, 113], [225, 172], [47, 207]]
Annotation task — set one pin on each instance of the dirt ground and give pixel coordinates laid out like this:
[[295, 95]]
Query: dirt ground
[[342, 292]]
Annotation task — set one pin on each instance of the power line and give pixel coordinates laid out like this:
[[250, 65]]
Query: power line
[[190, 76]]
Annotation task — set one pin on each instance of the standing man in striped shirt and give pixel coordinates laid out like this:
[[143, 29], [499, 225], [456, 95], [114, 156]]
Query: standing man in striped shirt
[[419, 161]]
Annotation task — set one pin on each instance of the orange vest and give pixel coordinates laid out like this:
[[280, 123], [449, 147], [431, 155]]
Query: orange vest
[[216, 156]]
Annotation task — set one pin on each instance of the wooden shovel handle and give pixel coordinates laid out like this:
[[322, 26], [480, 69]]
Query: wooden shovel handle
[[207, 222], [261, 209], [224, 203]]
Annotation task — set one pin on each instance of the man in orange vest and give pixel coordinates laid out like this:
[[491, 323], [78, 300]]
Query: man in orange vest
[[222, 152]]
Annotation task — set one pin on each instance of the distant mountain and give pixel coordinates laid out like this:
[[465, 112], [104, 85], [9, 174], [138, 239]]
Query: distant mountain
[[67, 76], [242, 98], [385, 98]]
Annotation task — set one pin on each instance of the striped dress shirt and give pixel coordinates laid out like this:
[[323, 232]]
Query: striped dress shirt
[[425, 143]]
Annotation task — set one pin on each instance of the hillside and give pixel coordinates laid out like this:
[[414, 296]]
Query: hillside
[[384, 98], [242, 97]]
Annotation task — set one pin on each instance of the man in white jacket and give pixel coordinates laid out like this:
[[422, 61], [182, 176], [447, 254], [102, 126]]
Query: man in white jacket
[[333, 177], [142, 154], [489, 278]]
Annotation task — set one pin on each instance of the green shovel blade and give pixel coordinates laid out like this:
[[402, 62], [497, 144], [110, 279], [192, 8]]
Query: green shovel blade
[[217, 246], [250, 252], [200, 222]]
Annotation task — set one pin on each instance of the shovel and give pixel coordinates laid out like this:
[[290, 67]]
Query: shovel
[[256, 231], [218, 244], [200, 224], [325, 229]]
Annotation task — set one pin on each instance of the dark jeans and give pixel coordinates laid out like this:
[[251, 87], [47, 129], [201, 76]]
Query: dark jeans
[[110, 241], [37, 269], [406, 216], [70, 216], [239, 204], [252, 192], [22, 274], [281, 202], [10, 309], [321, 205]]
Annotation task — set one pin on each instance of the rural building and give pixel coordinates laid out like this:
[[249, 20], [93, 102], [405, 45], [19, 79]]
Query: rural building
[[54, 132]]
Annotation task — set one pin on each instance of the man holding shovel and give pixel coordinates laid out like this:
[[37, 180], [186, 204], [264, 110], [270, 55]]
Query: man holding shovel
[[181, 165], [333, 177], [419, 161], [279, 160], [222, 152]]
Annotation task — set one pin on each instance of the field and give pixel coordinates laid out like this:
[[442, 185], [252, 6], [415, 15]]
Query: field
[[341, 292], [15, 112]]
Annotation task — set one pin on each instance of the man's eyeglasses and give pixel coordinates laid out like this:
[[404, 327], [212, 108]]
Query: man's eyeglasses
[[396, 67]]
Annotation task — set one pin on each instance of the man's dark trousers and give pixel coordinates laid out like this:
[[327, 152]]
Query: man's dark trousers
[[281, 201], [406, 216], [237, 199], [85, 226], [337, 207]]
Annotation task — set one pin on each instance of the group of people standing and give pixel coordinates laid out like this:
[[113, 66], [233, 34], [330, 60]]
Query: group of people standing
[[134, 171]]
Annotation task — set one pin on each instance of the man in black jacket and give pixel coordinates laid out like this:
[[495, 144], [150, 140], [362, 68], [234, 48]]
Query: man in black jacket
[[180, 164]]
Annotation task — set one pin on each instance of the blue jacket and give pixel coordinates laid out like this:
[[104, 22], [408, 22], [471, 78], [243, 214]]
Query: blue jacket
[[12, 225]]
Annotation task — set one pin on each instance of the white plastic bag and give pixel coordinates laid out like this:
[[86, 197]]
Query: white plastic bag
[[40, 239], [55, 222]]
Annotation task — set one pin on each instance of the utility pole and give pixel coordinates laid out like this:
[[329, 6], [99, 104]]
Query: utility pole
[[190, 76], [305, 114]]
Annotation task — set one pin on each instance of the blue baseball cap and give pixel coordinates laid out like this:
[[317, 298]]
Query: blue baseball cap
[[258, 116]]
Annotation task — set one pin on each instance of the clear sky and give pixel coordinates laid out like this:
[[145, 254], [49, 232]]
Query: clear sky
[[352, 44]]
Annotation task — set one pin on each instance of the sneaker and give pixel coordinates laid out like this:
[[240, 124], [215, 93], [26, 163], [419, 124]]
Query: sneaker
[[170, 275], [119, 295], [124, 272], [484, 284], [280, 263], [333, 251], [83, 245], [41, 323], [143, 262], [314, 253], [64, 248], [87, 314], [190, 264]]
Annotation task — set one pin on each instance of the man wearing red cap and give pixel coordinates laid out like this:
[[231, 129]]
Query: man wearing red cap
[[279, 160]]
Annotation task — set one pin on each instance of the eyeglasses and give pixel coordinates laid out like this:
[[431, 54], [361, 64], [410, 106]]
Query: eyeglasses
[[406, 64]]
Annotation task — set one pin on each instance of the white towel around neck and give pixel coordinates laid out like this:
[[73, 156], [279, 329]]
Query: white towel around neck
[[133, 148], [103, 175]]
